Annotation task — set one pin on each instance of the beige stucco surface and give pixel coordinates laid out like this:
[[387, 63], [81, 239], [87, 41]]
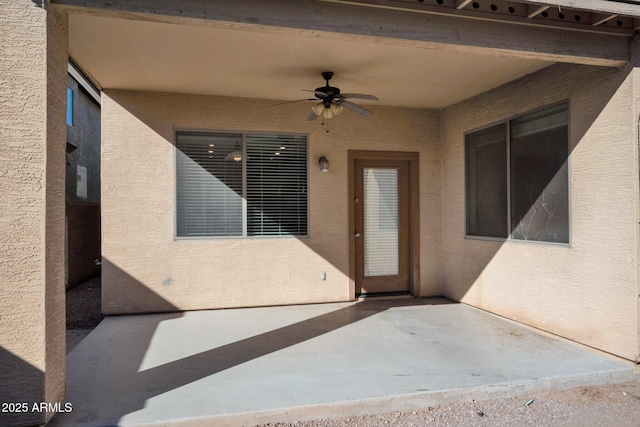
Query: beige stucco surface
[[33, 61], [146, 269], [55, 315], [587, 291]]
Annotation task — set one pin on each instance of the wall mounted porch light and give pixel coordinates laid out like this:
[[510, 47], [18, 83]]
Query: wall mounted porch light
[[324, 164]]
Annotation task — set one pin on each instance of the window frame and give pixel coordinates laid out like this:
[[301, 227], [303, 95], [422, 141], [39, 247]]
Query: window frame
[[507, 123], [243, 134], [504, 124]]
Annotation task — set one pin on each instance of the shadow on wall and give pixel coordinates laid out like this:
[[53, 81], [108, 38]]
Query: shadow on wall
[[535, 207], [113, 398], [16, 398], [321, 244], [533, 197], [82, 241], [137, 297]]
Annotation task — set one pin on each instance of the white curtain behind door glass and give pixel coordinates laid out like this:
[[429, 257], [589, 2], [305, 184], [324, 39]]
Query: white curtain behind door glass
[[380, 222]]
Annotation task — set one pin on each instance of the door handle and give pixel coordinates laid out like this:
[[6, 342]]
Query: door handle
[[356, 234]]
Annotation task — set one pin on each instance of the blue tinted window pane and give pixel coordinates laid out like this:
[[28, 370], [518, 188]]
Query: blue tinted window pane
[[69, 106]]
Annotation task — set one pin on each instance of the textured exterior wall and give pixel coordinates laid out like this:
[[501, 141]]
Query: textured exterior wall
[[32, 136], [84, 145], [82, 242], [635, 62], [138, 209], [55, 319], [585, 292]]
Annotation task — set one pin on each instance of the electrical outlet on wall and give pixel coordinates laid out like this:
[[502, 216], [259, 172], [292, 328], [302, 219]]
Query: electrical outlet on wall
[[323, 275]]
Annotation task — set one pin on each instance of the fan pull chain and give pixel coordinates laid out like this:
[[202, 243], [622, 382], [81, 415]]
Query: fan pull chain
[[327, 124]]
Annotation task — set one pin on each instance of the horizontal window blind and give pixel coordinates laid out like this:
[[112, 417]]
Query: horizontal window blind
[[210, 181], [209, 185], [381, 257], [276, 185]]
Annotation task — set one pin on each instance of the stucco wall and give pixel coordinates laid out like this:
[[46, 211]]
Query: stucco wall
[[83, 150], [82, 242], [33, 62], [585, 292], [82, 191], [55, 319], [146, 269]]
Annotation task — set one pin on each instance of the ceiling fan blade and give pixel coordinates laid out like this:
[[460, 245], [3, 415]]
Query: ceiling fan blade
[[317, 93], [297, 100], [312, 116], [360, 96], [357, 108]]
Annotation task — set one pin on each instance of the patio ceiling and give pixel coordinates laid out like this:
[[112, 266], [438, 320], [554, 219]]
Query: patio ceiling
[[155, 56], [274, 51]]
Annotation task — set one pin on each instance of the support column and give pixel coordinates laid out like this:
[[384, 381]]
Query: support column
[[33, 62], [634, 62]]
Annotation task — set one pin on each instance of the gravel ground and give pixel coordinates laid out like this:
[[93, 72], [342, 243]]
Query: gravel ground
[[611, 405], [83, 311], [83, 305]]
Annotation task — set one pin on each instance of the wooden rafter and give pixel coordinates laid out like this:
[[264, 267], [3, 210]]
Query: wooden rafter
[[533, 11], [599, 19]]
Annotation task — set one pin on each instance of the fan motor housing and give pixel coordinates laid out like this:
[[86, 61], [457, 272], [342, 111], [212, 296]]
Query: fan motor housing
[[329, 90]]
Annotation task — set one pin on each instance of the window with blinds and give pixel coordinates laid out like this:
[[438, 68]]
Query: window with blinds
[[381, 256], [241, 184], [276, 185]]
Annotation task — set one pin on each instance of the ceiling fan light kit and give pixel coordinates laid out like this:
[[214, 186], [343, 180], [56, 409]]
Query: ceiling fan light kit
[[336, 109], [318, 108], [332, 101]]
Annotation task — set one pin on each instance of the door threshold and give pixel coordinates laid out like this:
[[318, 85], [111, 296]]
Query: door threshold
[[384, 296]]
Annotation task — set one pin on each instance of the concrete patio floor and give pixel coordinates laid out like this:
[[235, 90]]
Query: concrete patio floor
[[259, 365]]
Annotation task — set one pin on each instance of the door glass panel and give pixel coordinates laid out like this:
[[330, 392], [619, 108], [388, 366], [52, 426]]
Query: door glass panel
[[381, 222]]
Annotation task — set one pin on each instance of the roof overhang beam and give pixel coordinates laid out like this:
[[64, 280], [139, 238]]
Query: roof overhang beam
[[601, 6], [533, 11], [381, 22]]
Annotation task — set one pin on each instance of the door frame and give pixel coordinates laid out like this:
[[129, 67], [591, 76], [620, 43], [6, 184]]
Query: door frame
[[412, 158]]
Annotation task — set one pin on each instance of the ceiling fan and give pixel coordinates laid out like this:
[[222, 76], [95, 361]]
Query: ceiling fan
[[331, 102]]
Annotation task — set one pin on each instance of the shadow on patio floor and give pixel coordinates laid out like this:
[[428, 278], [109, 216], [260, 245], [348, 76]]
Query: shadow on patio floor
[[263, 364]]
